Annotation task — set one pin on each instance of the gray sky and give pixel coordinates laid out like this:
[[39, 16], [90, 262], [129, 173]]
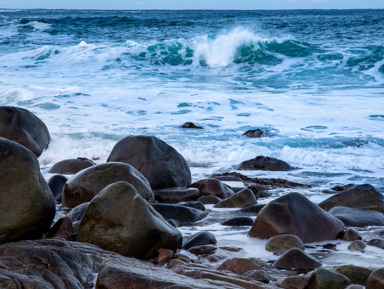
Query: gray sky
[[193, 4]]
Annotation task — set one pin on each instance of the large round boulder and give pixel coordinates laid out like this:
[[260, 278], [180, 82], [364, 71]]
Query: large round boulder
[[118, 219], [86, 184], [295, 214], [358, 217], [364, 197], [265, 164], [160, 163], [27, 206], [71, 166], [25, 128]]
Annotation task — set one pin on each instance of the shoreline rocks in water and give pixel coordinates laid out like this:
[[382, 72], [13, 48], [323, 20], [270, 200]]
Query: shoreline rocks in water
[[265, 164]]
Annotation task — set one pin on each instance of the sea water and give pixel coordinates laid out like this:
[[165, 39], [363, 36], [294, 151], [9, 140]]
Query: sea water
[[313, 78]]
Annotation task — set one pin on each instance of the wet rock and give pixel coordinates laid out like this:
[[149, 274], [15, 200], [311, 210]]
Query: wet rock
[[379, 243], [358, 217], [120, 220], [264, 164], [239, 265], [357, 245], [296, 259], [194, 204], [199, 239], [364, 197], [255, 209], [295, 282], [86, 184], [376, 279], [191, 125], [209, 200], [238, 221], [181, 214], [283, 242], [227, 178], [77, 213], [326, 279], [176, 195], [165, 255], [258, 133], [27, 205], [258, 275], [337, 189], [213, 187], [203, 249], [295, 214], [357, 275], [259, 191], [71, 166], [56, 184], [160, 163], [62, 229], [351, 234], [243, 198], [22, 126], [355, 286]]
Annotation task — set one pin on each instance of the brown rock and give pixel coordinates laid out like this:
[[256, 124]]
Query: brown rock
[[283, 242], [213, 187], [376, 279], [71, 166], [295, 259], [243, 198], [351, 234], [203, 249], [295, 282], [62, 229], [165, 255], [326, 279], [357, 275], [176, 195], [239, 265]]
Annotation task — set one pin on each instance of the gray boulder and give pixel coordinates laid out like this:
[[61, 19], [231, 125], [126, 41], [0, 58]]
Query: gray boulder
[[118, 219], [27, 206], [295, 259], [25, 128], [160, 163], [241, 199], [295, 214], [86, 184], [181, 214], [264, 164], [71, 166], [284, 242], [358, 217]]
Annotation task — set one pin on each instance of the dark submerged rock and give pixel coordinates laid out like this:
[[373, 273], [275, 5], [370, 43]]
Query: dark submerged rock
[[191, 125], [176, 195], [86, 184], [257, 133], [181, 214], [25, 128], [71, 166], [358, 217], [241, 199], [56, 184], [27, 206], [213, 187], [160, 163], [295, 214], [265, 164], [120, 220], [195, 204], [364, 197], [199, 239], [238, 221]]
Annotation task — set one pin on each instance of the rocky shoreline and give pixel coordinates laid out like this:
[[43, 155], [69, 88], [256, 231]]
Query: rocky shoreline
[[119, 224]]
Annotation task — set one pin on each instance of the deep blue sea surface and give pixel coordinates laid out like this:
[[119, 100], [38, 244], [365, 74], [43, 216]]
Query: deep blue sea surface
[[315, 78]]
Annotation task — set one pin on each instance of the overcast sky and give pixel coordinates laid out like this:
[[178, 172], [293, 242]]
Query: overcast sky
[[193, 4]]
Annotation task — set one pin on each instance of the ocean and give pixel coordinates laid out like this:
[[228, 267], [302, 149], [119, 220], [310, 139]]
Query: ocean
[[313, 78]]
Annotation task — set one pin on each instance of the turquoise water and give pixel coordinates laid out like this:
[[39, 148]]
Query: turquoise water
[[315, 78]]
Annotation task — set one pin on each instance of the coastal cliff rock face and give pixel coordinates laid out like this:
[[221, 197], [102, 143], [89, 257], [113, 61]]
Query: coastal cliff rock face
[[295, 214], [213, 187], [160, 163], [264, 164], [25, 128], [86, 184], [71, 166], [118, 219], [364, 197], [27, 207]]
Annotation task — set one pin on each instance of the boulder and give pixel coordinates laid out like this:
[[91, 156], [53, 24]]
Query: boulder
[[364, 197], [213, 187], [258, 133], [209, 200], [71, 166], [62, 229], [25, 128], [357, 245], [191, 125], [86, 184], [203, 249], [56, 183], [160, 163], [176, 195], [283, 242], [351, 234], [358, 217], [295, 214], [27, 206], [77, 213], [181, 214], [238, 221], [239, 265], [194, 204], [118, 219], [258, 275], [295, 259], [376, 279], [243, 198], [379, 243], [264, 164], [357, 275], [199, 239], [326, 279], [254, 209]]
